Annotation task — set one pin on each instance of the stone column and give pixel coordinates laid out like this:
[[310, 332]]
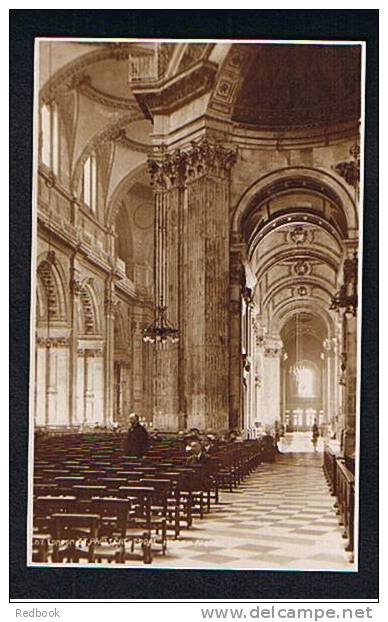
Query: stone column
[[75, 290], [137, 364], [89, 386], [40, 382], [350, 336], [271, 406], [259, 342], [236, 284], [330, 364], [110, 302], [192, 270], [167, 177], [206, 285]]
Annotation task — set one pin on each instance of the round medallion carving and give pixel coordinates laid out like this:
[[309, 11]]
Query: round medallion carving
[[143, 216]]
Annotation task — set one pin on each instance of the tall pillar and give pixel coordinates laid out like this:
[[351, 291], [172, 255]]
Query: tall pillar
[[110, 302], [192, 269], [330, 380], [206, 285], [75, 290], [350, 335], [169, 196], [271, 406], [237, 281]]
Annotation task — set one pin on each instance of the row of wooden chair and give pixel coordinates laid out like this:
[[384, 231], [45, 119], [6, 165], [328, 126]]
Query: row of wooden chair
[[92, 502]]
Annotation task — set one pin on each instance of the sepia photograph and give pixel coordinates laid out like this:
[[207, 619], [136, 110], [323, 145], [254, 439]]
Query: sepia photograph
[[196, 304]]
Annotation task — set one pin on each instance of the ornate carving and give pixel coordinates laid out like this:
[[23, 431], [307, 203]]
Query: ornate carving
[[272, 351], [347, 296], [53, 342], [301, 268], [350, 170], [207, 157], [90, 352], [248, 297], [202, 157], [302, 291], [259, 332], [298, 235]]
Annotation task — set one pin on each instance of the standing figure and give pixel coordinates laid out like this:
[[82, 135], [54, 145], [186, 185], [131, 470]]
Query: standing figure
[[137, 439], [315, 435]]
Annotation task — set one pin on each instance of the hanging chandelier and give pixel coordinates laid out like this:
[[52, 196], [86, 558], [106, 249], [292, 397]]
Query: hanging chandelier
[[161, 331], [298, 367]]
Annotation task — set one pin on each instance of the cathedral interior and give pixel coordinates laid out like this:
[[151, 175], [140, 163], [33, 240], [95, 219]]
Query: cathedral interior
[[197, 235]]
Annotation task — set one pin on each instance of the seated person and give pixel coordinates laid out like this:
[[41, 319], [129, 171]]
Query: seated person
[[198, 455], [267, 445], [210, 445], [155, 434]]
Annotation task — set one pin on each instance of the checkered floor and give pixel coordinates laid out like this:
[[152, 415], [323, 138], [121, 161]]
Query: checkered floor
[[282, 517]]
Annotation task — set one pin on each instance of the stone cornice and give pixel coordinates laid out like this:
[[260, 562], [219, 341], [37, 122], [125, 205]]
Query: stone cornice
[[68, 76], [166, 96], [83, 83]]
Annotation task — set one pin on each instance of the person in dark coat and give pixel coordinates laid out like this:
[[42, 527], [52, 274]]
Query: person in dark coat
[[315, 435], [198, 455], [137, 439]]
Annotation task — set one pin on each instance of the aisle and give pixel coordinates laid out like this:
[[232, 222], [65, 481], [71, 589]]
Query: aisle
[[282, 517]]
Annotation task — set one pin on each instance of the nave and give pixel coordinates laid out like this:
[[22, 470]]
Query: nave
[[246, 507], [282, 517], [197, 229]]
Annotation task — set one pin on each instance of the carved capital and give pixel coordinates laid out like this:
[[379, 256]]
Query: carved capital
[[207, 157], [273, 347], [169, 169], [53, 342], [90, 352]]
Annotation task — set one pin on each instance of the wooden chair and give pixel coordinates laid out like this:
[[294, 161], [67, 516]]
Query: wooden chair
[[75, 536]]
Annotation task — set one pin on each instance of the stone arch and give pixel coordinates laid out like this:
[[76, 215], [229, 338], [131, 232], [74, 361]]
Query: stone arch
[[111, 132], [89, 321], [120, 332], [287, 310], [290, 282], [303, 177], [121, 190], [72, 72], [52, 302]]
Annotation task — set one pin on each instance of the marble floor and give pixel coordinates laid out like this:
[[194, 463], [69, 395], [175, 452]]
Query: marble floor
[[282, 517]]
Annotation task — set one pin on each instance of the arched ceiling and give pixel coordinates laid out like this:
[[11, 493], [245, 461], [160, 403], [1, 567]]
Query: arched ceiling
[[324, 89], [308, 325], [296, 269]]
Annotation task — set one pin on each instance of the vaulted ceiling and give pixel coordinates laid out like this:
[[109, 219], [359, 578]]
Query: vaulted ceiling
[[299, 85]]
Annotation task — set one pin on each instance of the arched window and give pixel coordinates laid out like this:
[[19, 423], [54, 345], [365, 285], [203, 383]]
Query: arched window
[[89, 183], [49, 146]]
